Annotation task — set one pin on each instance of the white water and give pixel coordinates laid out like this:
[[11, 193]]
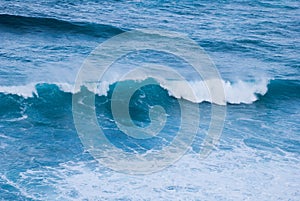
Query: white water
[[242, 174]]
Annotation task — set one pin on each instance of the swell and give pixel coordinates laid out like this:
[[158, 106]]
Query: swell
[[24, 24]]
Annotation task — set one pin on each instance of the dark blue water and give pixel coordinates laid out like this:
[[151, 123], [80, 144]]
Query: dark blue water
[[255, 46]]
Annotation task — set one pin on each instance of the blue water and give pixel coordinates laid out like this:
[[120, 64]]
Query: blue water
[[255, 46]]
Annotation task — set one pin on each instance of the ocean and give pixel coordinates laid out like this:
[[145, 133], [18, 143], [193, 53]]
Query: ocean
[[149, 100]]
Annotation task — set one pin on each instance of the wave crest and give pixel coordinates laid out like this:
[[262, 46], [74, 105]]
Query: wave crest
[[235, 92]]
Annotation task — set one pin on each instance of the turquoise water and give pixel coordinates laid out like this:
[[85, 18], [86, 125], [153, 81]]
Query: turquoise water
[[255, 47]]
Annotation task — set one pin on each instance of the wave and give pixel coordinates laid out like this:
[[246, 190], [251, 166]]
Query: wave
[[240, 92], [25, 24]]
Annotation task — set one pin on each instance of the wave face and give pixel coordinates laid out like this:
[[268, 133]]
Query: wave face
[[50, 105]]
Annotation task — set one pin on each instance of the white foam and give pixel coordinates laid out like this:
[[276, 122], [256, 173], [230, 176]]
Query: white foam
[[235, 93], [241, 174], [244, 92], [16, 119], [22, 90]]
